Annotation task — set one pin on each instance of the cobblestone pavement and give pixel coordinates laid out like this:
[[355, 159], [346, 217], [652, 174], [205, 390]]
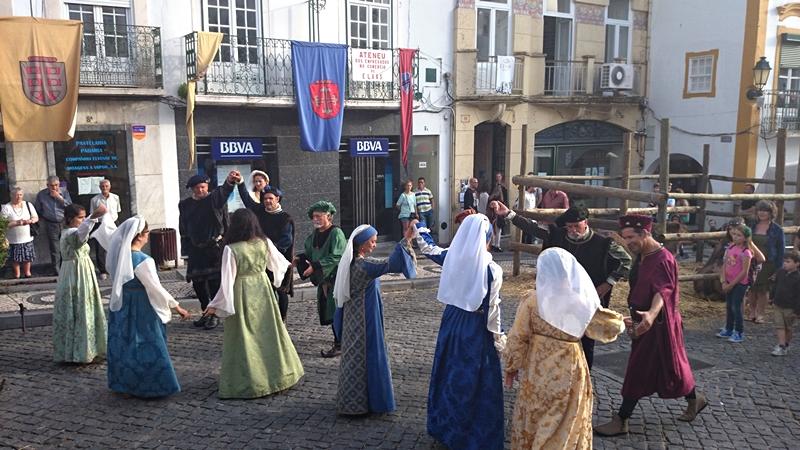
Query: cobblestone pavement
[[754, 397]]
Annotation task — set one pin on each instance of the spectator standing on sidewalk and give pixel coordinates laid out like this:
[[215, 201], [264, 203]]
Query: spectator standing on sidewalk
[[425, 204], [20, 215], [787, 303], [113, 208], [79, 322], [50, 204]]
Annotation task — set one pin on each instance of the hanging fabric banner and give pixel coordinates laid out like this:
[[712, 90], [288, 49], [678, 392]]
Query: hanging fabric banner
[[207, 47], [505, 74], [406, 100], [39, 77], [319, 76]]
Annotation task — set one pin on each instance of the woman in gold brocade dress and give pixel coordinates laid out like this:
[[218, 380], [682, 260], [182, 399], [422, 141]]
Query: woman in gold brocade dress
[[554, 402]]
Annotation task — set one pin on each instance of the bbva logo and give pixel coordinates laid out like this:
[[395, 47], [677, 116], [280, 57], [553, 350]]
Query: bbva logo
[[369, 146], [236, 148]]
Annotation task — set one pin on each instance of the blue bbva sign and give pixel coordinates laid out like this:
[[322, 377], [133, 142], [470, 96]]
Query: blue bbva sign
[[231, 148], [369, 147]]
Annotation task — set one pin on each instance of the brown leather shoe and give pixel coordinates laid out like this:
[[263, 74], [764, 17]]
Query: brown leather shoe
[[617, 426], [694, 407], [333, 352]]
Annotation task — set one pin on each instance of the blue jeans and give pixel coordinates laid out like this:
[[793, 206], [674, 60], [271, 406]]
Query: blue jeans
[[733, 308], [426, 218]]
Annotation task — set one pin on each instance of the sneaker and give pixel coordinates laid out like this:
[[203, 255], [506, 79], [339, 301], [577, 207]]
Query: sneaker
[[779, 350], [723, 333], [212, 322], [201, 322], [736, 337]]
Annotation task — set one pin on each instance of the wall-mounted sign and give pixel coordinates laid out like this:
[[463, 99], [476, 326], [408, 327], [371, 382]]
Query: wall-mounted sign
[[138, 132], [371, 65], [369, 147], [232, 148]]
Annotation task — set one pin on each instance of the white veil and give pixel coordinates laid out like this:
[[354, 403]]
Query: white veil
[[565, 294], [465, 270], [118, 259]]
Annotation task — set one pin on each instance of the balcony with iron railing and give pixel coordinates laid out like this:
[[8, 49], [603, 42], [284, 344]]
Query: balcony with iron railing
[[490, 77], [780, 109], [578, 78], [121, 56], [262, 67]]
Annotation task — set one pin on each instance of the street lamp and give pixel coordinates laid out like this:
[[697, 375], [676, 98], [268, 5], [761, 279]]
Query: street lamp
[[760, 75]]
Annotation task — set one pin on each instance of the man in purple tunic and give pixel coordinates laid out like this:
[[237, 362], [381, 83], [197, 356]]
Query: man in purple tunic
[[658, 361]]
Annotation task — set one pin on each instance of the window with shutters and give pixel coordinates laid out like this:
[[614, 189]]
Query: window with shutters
[[700, 74], [370, 23]]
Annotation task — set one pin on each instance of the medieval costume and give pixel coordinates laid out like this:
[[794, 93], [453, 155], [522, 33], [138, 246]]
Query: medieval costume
[[202, 223], [554, 401], [252, 190], [258, 357], [613, 266], [658, 362], [323, 250], [465, 398], [79, 322], [278, 226], [365, 378], [138, 360]]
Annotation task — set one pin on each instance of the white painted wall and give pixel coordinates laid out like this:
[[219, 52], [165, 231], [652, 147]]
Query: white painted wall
[[433, 35], [673, 33]]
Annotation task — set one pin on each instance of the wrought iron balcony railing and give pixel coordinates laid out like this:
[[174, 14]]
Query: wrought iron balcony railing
[[781, 109], [121, 56], [486, 77], [263, 68], [564, 78]]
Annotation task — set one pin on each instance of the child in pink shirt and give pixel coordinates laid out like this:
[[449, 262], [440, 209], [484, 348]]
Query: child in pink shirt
[[735, 281]]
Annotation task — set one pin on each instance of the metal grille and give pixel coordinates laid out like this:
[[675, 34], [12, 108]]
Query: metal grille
[[121, 55]]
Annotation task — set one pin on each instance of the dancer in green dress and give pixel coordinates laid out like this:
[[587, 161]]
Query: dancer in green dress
[[258, 357], [79, 322]]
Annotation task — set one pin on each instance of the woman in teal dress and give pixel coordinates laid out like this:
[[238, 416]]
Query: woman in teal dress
[[79, 323], [258, 357], [138, 360]]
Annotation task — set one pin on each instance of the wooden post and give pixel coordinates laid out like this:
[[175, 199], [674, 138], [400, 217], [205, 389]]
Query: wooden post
[[663, 179], [517, 236], [627, 144], [701, 215], [780, 172]]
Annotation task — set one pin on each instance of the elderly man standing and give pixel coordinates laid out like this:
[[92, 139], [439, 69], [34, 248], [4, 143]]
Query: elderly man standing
[[50, 204], [471, 195], [113, 208], [604, 260], [278, 226], [202, 222], [658, 362], [323, 250]]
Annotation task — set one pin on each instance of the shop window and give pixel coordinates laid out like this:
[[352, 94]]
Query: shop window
[[370, 23]]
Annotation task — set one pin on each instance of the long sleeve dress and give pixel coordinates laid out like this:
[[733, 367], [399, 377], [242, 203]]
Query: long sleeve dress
[[258, 357], [79, 322], [465, 397], [554, 402], [365, 377], [138, 360]]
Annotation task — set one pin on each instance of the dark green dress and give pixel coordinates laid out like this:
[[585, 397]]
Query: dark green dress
[[325, 257]]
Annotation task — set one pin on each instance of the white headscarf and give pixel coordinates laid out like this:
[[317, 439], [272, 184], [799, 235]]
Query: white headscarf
[[565, 294], [341, 287], [118, 259], [249, 183], [465, 271]]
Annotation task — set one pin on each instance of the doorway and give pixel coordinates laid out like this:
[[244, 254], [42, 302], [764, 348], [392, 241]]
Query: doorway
[[489, 153]]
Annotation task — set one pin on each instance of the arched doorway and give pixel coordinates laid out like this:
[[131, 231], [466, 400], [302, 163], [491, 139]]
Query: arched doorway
[[581, 147], [679, 164]]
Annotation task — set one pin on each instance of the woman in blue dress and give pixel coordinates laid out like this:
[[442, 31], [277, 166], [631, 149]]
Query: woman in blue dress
[[138, 360], [465, 398], [365, 377]]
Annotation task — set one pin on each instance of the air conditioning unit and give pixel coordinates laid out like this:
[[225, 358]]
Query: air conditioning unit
[[616, 76]]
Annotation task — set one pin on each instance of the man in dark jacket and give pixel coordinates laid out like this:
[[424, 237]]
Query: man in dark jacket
[[202, 222], [604, 259]]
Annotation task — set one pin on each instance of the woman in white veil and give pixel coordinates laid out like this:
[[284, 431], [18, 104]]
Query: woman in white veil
[[138, 360], [554, 403]]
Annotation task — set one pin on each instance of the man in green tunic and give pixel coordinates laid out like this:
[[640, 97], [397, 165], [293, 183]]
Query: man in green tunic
[[323, 250]]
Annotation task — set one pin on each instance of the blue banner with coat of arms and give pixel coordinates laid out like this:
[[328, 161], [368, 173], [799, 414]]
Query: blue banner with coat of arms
[[319, 72]]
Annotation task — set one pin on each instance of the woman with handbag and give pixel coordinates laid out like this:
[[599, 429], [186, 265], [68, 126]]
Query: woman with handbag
[[23, 226], [407, 203]]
